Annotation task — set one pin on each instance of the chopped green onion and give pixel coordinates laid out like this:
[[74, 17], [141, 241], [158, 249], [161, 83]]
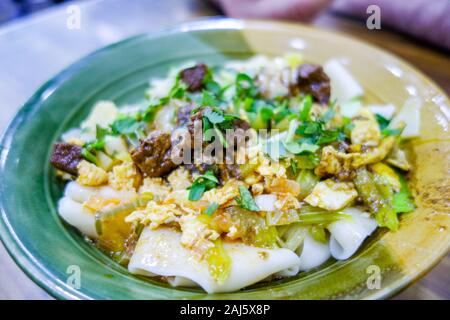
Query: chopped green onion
[[211, 208]]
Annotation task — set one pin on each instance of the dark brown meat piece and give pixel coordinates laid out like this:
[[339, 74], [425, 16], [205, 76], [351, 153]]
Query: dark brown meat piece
[[228, 171], [311, 79], [193, 77], [152, 157], [223, 172], [66, 157], [241, 124], [184, 115], [216, 163]]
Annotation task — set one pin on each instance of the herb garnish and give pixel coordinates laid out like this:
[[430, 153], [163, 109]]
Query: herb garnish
[[246, 200], [90, 149], [203, 183], [211, 208], [218, 120]]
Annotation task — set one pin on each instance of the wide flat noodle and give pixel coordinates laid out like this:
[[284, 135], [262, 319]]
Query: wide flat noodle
[[159, 252]]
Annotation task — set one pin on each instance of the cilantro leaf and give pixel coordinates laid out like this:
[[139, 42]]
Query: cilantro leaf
[[209, 99], [282, 112], [328, 136], [214, 87], [382, 121], [328, 115], [196, 191], [391, 132], [203, 183], [209, 175], [306, 109], [245, 86], [217, 119], [293, 165], [149, 113], [222, 139], [275, 149], [178, 90], [213, 117], [130, 127], [246, 200], [264, 114], [298, 148], [291, 131], [125, 125], [309, 128]]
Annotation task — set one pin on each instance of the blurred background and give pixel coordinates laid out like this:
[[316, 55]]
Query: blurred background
[[12, 9], [36, 42]]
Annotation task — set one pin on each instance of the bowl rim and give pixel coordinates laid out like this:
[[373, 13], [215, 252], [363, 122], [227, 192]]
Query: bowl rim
[[44, 279]]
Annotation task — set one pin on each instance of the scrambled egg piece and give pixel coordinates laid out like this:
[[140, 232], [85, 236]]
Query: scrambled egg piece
[[196, 234], [376, 154], [156, 214], [177, 196], [341, 165], [257, 188], [270, 168], [156, 186], [102, 114], [96, 203], [179, 179], [91, 175], [253, 179], [286, 202], [76, 141], [282, 185], [225, 194], [397, 158], [263, 165], [366, 130], [181, 198], [124, 177], [331, 195], [333, 162]]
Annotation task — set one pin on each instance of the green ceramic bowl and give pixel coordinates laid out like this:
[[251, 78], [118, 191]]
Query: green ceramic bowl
[[45, 248]]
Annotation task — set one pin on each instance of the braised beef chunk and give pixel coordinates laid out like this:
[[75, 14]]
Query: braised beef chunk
[[222, 171], [184, 115], [228, 171], [66, 157], [241, 124], [215, 161], [152, 157], [311, 79], [200, 168], [193, 77]]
